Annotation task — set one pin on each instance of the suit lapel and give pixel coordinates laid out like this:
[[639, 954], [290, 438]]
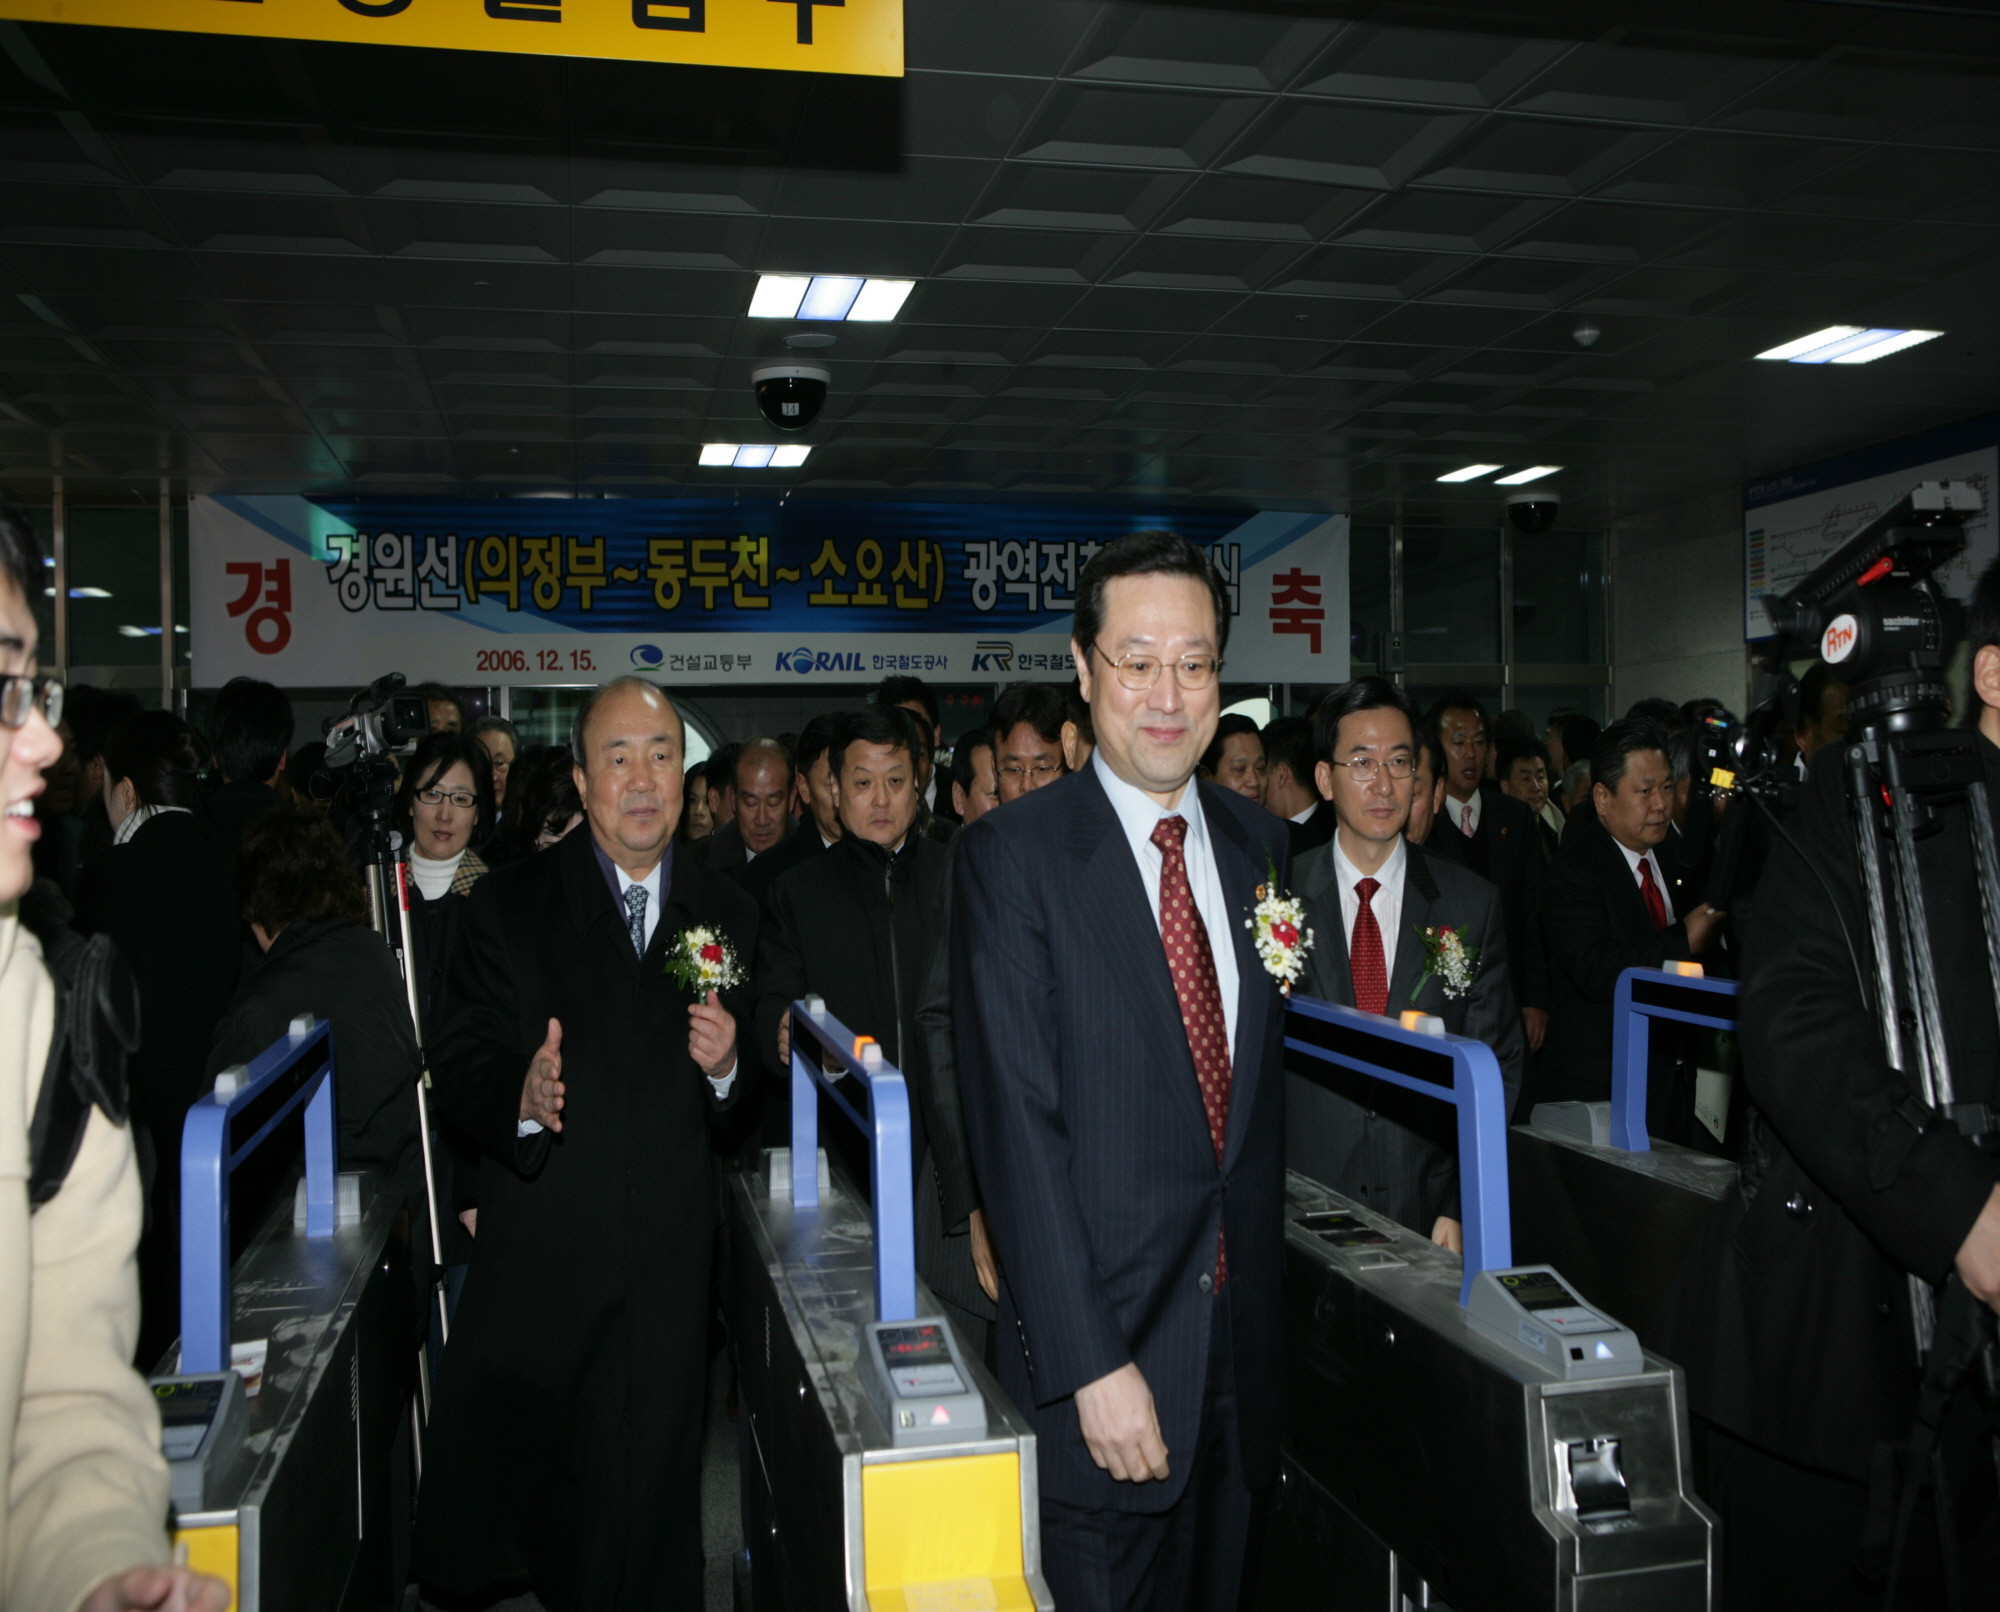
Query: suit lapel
[[1240, 877], [1327, 971], [1420, 899]]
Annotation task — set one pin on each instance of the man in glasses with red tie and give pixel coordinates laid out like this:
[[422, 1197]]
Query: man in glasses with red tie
[[1118, 1047], [1379, 907], [1608, 904]]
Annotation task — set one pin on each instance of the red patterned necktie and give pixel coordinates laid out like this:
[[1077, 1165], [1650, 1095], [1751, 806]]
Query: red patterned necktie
[[1364, 954], [1192, 965], [1655, 904]]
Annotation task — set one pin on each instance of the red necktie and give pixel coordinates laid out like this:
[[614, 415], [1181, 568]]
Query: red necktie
[[1465, 820], [1655, 904], [1192, 965], [1364, 954]]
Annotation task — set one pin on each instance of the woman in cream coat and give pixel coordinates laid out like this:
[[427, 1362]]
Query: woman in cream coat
[[83, 1508]]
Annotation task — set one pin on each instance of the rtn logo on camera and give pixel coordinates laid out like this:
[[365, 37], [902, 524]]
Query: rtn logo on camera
[[1838, 639]]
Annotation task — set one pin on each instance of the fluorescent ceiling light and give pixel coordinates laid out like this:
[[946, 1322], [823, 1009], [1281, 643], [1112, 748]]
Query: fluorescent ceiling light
[[1469, 473], [1532, 473], [1894, 342], [718, 453], [89, 593], [828, 297], [755, 455], [881, 300], [752, 456], [138, 632], [1848, 344], [778, 295], [789, 457]]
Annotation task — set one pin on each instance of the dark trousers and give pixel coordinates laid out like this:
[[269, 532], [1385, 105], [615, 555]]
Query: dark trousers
[[1196, 1555], [1794, 1536]]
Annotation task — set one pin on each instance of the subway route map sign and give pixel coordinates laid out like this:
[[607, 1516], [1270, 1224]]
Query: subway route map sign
[[807, 36]]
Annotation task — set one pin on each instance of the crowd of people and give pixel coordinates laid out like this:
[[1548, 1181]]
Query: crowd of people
[[1033, 921]]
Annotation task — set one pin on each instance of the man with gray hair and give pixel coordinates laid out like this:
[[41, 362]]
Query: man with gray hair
[[565, 1449]]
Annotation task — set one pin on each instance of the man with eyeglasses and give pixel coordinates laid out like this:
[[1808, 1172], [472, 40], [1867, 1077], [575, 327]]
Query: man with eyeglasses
[[1370, 895], [1027, 738], [84, 1506], [1118, 1058]]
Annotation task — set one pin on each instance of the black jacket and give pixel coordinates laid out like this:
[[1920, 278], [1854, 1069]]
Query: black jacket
[[801, 845], [1395, 1151], [1595, 926], [565, 1446], [1089, 1137], [723, 850], [1793, 1319], [1507, 853], [235, 806], [1314, 832]]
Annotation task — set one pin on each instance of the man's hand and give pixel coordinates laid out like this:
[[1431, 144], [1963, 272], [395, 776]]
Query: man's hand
[[712, 1037], [1704, 925], [1978, 1259], [1449, 1234], [1535, 1025], [785, 1038], [984, 1266], [542, 1091], [1121, 1427], [158, 1589], [469, 1219]]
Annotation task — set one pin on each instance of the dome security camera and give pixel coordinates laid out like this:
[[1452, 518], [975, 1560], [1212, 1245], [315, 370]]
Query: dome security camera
[[1533, 510], [790, 396], [1585, 335]]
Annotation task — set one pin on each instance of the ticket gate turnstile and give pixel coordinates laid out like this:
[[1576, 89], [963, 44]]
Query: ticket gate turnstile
[[882, 1466], [1441, 1453]]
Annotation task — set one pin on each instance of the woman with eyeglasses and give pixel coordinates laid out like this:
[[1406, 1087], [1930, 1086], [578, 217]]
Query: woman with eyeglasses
[[163, 893]]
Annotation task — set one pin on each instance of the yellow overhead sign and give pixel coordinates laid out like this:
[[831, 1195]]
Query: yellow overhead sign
[[807, 36]]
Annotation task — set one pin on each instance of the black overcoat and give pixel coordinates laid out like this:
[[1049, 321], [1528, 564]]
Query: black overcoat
[[565, 1448], [1793, 1317]]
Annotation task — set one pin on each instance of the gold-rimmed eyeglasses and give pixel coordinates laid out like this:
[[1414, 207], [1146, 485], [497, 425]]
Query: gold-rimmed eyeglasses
[[20, 695], [1139, 672], [1365, 770]]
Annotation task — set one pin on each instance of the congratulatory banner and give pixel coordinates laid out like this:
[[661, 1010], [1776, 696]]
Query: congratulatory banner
[[317, 593], [806, 36]]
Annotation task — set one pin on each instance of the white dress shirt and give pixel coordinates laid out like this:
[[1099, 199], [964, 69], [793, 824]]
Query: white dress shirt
[[1138, 814], [1632, 861], [1455, 810], [1300, 817], [1387, 904]]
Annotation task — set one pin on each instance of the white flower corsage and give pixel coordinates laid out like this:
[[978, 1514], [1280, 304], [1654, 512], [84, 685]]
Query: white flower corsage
[[702, 960], [1448, 957], [1278, 922]]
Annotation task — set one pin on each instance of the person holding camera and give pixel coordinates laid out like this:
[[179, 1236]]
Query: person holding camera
[[1794, 1317]]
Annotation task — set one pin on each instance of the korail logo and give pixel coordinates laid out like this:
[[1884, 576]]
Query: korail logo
[[997, 657], [807, 661]]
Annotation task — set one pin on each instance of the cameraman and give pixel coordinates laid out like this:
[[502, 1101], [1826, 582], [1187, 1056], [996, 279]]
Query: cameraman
[[1793, 1318]]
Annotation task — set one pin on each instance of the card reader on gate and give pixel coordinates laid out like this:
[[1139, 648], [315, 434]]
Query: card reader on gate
[[918, 1383], [1532, 1311], [202, 1418]]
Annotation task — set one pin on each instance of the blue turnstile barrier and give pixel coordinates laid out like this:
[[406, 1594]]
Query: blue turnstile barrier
[[1454, 1069], [222, 1130], [1643, 995], [883, 1094]]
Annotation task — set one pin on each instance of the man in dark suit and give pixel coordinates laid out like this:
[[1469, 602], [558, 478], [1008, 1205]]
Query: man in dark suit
[[859, 927], [1500, 842], [565, 1449], [761, 786], [812, 798], [1289, 789], [1370, 895], [1609, 904], [250, 731], [1118, 1044]]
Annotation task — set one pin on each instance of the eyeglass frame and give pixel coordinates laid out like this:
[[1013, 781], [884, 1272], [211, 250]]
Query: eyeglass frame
[[46, 692], [1041, 769], [1375, 766], [464, 799], [1118, 667]]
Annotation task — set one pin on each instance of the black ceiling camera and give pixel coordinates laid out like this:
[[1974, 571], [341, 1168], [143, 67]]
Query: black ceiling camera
[[790, 396], [1533, 512], [1874, 613]]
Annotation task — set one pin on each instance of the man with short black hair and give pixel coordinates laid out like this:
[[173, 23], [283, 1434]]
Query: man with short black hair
[[1427, 795], [1077, 738], [975, 786], [721, 787], [250, 731], [1027, 738], [1289, 790], [1609, 904], [447, 710], [1822, 713], [1370, 896], [913, 694], [1523, 772], [814, 803]]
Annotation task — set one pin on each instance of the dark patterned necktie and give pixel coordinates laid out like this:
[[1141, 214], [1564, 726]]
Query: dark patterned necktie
[[635, 916], [1656, 904], [1364, 954], [1192, 965]]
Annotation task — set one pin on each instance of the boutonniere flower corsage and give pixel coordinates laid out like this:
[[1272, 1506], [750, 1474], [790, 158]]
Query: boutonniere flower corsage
[[1278, 923], [1448, 957], [702, 960]]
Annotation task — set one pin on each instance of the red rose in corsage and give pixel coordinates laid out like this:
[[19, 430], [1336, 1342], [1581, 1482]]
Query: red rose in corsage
[[1277, 924], [1448, 957], [702, 961]]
